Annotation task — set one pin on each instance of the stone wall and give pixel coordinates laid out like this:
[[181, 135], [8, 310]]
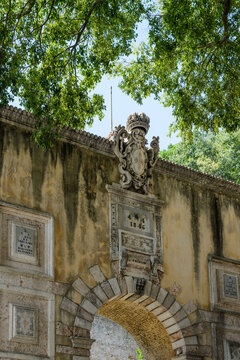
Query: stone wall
[[56, 223]]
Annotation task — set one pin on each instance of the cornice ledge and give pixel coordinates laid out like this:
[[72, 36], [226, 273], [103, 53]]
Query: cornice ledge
[[79, 137], [199, 178], [117, 190]]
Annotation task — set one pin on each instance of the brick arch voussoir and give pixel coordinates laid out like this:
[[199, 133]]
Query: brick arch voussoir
[[157, 300]]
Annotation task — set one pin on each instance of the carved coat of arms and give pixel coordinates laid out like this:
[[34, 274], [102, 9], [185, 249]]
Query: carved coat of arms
[[136, 161]]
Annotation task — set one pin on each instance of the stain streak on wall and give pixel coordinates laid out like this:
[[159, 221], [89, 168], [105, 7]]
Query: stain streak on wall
[[216, 222], [39, 164], [195, 231], [71, 162], [2, 133]]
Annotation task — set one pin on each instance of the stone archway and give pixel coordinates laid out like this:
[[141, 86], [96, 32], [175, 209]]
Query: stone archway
[[146, 329], [155, 306]]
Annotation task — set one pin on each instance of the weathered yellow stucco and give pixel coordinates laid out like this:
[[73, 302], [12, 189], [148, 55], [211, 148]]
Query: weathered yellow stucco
[[69, 182]]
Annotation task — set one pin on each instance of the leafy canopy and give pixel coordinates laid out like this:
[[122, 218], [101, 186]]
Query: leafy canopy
[[54, 52], [216, 154], [191, 61]]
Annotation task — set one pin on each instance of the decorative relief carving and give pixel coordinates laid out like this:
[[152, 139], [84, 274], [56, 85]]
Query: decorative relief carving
[[114, 231], [230, 283], [232, 350], [139, 284], [26, 237], [158, 237], [24, 325], [137, 243], [136, 220], [136, 161], [27, 318], [136, 248], [25, 240], [138, 261], [225, 280], [175, 289]]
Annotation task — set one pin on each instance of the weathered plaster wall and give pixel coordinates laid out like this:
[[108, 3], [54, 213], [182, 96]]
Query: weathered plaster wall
[[230, 213], [69, 183], [195, 222]]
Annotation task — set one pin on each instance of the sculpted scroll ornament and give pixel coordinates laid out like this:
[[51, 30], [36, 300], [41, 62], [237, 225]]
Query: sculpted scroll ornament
[[136, 161]]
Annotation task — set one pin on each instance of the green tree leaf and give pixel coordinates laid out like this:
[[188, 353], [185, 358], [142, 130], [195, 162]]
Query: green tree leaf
[[215, 154]]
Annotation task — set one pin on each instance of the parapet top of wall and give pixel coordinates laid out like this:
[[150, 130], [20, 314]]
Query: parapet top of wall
[[97, 143]]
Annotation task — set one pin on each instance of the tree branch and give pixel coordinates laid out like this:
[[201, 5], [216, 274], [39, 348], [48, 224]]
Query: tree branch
[[5, 27], [84, 25], [226, 10], [82, 28], [31, 4], [50, 11]]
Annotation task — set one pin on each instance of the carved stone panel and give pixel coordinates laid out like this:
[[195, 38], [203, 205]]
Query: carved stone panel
[[23, 243], [114, 231], [26, 237], [231, 350], [135, 233], [27, 317], [23, 324], [230, 286], [226, 339], [137, 243], [136, 220], [224, 281]]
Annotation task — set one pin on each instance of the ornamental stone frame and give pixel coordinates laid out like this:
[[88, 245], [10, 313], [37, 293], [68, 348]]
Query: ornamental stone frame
[[26, 237], [224, 284], [183, 334], [135, 234], [27, 315], [227, 343]]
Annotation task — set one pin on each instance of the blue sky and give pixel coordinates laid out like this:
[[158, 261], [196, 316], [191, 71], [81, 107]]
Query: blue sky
[[123, 106]]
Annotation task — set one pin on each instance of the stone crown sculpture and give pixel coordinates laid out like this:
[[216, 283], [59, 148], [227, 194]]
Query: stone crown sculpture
[[136, 161], [141, 121]]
